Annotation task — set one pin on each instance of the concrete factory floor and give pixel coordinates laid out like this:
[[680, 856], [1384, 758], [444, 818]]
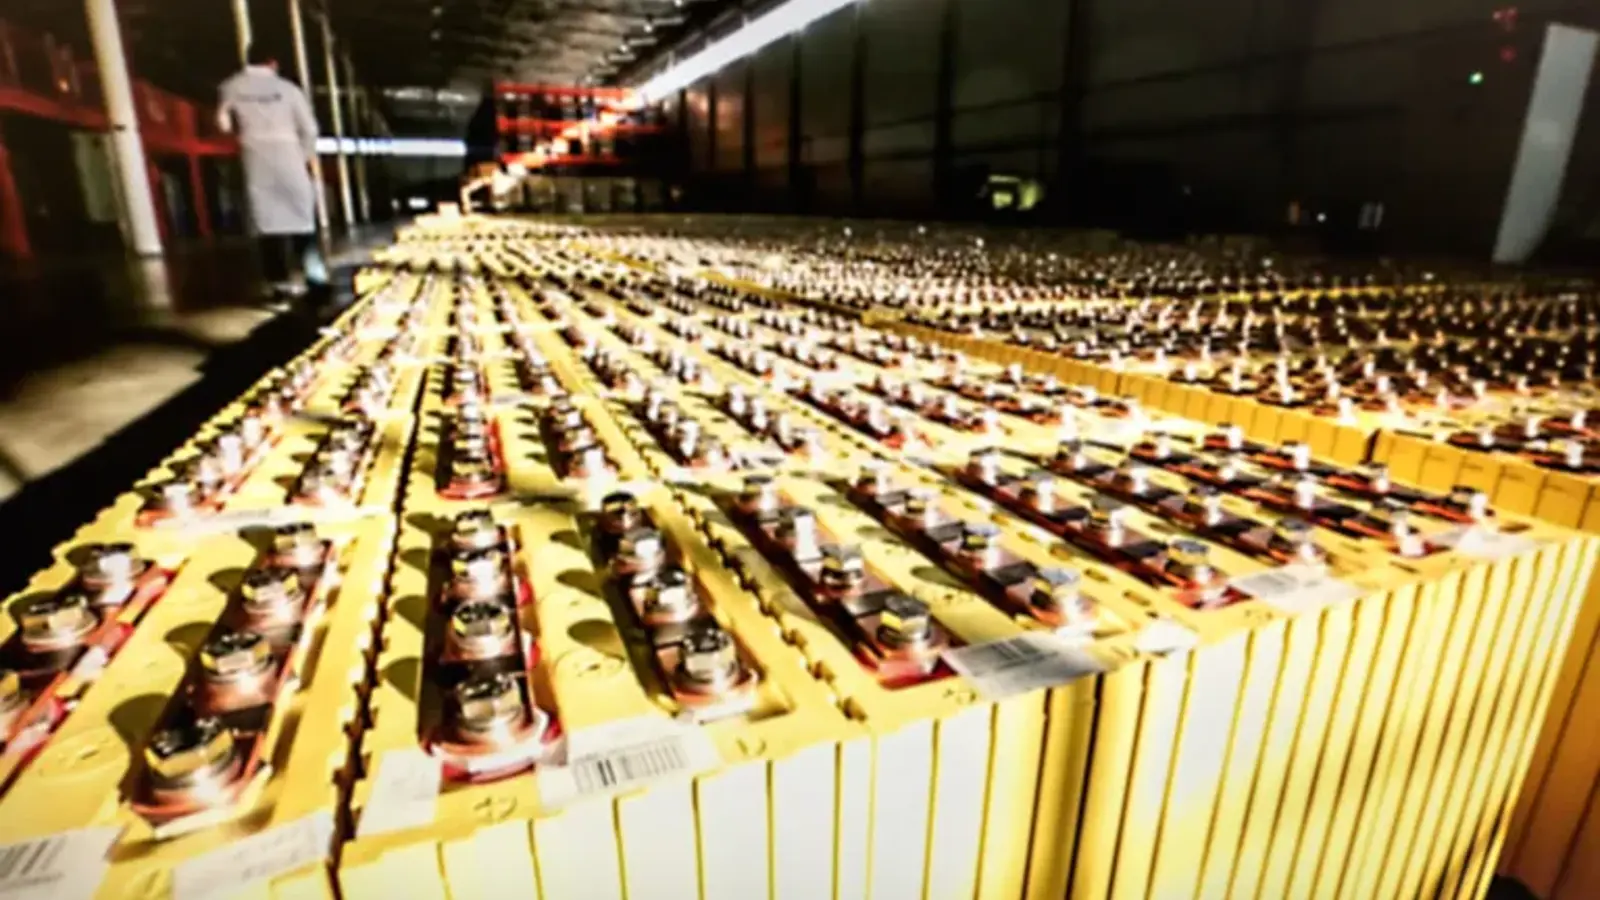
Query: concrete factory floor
[[107, 364]]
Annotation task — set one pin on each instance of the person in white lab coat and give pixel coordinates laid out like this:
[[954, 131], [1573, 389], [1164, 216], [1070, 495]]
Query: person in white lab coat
[[277, 133]]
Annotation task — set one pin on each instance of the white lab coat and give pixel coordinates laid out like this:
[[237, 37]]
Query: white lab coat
[[277, 137]]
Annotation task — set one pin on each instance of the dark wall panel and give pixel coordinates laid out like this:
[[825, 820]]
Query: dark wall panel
[[900, 186], [1228, 109], [1008, 49], [909, 139], [822, 151], [1022, 163], [1167, 103], [698, 121], [902, 59], [1349, 21], [1134, 39], [730, 115], [825, 51], [1026, 123], [830, 189], [770, 98]]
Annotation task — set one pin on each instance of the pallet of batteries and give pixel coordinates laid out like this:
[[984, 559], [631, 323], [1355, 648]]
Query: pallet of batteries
[[325, 432], [1339, 432], [1438, 468], [1336, 757], [958, 770], [1539, 472], [1301, 449], [179, 684], [559, 641], [1540, 464], [882, 646], [990, 607], [175, 712]]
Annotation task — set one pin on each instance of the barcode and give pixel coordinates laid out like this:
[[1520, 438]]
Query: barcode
[[1003, 654], [265, 855], [1296, 589], [1020, 664], [630, 765], [1269, 583], [30, 864]]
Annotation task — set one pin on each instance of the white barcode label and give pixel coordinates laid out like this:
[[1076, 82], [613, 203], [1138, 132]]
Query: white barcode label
[[230, 869], [65, 866], [629, 766], [1483, 543], [1296, 589], [1017, 665], [1162, 636], [1115, 431], [598, 772], [405, 793]]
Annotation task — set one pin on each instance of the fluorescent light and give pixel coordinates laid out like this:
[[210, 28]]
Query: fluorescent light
[[781, 21], [439, 147]]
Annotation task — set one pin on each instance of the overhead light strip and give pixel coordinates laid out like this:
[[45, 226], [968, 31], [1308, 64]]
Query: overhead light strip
[[418, 147], [782, 20]]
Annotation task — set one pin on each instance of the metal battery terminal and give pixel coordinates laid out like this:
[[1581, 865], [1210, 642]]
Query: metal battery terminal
[[481, 630], [488, 710], [296, 545], [905, 624], [192, 760], [1470, 500], [56, 622], [709, 662], [270, 596], [475, 529], [843, 569]]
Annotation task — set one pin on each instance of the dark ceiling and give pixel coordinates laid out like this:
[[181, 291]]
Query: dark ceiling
[[429, 59]]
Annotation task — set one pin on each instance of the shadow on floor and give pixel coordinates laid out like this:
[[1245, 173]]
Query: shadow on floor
[[1508, 889], [49, 509]]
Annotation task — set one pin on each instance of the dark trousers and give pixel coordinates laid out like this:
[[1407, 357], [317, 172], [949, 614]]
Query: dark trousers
[[285, 256]]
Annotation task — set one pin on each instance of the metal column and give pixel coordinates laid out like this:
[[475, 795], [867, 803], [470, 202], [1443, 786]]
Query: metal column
[[346, 205], [302, 65], [358, 130], [139, 208], [241, 27]]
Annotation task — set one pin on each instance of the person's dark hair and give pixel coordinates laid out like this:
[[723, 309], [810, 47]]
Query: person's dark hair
[[258, 55]]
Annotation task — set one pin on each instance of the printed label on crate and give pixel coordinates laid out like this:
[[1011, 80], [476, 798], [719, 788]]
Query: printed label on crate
[[1017, 665], [1296, 589], [1113, 431], [1483, 543], [1162, 636], [597, 768], [405, 793], [65, 866], [228, 870]]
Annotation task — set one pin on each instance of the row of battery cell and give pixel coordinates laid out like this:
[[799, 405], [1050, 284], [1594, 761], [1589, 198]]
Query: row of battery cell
[[1466, 502], [189, 668], [852, 760], [1531, 462]]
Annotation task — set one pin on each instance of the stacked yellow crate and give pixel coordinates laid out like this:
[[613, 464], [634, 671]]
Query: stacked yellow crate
[[1553, 844], [72, 793], [1334, 736]]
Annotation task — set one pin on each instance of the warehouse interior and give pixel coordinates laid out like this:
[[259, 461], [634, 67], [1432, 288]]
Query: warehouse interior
[[892, 449]]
